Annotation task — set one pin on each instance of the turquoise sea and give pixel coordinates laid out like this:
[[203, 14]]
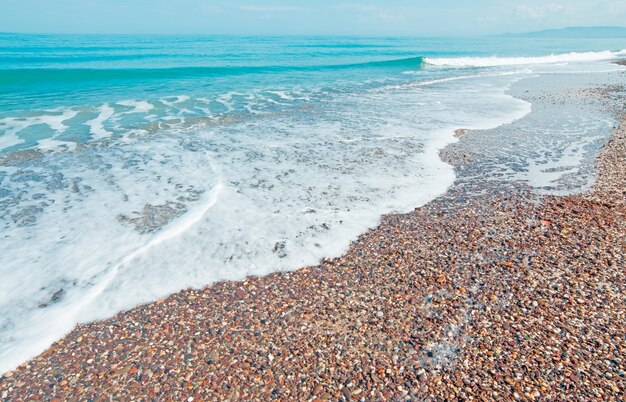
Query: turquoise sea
[[135, 166]]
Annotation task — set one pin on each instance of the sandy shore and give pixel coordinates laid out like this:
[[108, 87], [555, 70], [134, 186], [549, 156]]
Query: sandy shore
[[495, 294]]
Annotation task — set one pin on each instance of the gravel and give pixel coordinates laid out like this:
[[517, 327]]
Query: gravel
[[494, 295]]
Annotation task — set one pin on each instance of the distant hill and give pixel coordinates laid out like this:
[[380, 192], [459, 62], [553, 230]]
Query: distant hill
[[575, 32]]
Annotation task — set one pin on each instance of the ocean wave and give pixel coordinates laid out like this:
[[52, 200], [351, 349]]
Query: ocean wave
[[72, 75], [406, 62], [493, 61]]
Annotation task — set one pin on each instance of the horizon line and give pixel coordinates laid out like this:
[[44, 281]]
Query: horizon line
[[312, 34]]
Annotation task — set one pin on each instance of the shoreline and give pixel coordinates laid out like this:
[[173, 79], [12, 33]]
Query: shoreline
[[466, 296]]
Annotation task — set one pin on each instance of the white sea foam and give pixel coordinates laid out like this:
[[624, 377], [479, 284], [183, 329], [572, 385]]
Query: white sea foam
[[229, 100], [524, 72], [559, 149], [59, 227], [177, 99], [105, 112], [56, 122], [51, 144], [281, 94], [510, 61], [12, 126], [138, 106], [9, 139]]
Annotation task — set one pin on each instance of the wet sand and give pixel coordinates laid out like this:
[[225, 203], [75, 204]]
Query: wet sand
[[490, 292]]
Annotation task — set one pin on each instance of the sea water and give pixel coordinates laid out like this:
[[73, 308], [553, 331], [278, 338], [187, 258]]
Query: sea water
[[135, 166]]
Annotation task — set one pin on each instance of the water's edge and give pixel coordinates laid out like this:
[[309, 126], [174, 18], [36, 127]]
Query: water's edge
[[451, 140]]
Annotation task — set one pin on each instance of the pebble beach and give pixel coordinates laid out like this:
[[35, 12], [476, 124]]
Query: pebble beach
[[490, 292]]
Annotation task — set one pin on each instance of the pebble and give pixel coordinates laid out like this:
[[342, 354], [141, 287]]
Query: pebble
[[488, 292]]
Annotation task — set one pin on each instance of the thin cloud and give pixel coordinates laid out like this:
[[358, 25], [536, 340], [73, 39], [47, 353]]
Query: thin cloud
[[269, 9], [539, 12], [371, 12], [610, 7]]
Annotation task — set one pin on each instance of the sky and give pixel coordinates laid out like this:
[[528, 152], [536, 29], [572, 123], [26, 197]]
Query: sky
[[301, 17]]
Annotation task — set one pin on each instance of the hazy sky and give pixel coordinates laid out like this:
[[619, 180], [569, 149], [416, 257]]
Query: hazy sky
[[374, 17]]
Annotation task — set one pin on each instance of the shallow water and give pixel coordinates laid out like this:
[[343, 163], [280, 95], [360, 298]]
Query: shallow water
[[553, 149], [132, 167]]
